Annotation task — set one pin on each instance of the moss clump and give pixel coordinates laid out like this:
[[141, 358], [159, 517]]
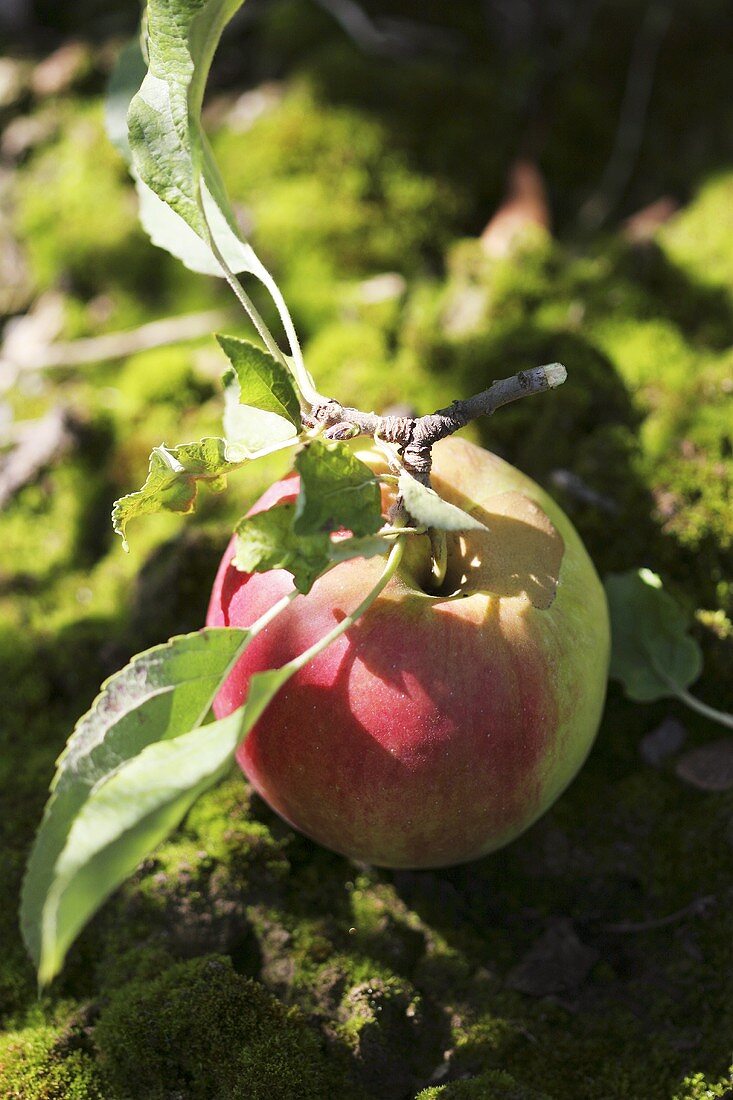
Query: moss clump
[[98, 240], [393, 1033], [494, 1085], [49, 1063], [698, 239], [203, 1032], [330, 199], [164, 375]]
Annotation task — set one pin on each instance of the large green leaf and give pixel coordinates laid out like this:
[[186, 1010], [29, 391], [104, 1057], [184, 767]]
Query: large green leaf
[[119, 824], [337, 490], [173, 477], [262, 410], [652, 653], [169, 149], [163, 692], [429, 509]]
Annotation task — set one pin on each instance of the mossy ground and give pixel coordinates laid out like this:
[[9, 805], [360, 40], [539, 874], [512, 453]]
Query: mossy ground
[[242, 960]]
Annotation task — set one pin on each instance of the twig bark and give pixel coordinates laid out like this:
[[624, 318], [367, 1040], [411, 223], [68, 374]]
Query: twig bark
[[415, 436]]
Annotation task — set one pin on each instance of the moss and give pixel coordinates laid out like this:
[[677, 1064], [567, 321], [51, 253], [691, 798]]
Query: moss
[[494, 1085], [330, 199], [697, 239], [701, 1087], [98, 240], [393, 1032], [49, 1063], [204, 1031], [164, 375]]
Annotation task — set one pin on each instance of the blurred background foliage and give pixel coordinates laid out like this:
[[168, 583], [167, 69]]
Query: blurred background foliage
[[446, 193]]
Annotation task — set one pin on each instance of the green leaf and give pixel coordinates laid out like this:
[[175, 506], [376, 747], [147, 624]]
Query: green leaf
[[261, 406], [122, 821], [337, 490], [263, 382], [182, 196], [652, 654], [172, 481], [169, 150], [159, 694], [430, 510], [268, 540]]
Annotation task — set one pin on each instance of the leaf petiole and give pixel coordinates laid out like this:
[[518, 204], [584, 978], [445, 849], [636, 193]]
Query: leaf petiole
[[296, 366], [692, 701]]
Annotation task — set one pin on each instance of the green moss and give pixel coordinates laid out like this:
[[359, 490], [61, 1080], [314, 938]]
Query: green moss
[[98, 240], [393, 1033], [701, 1087], [698, 238], [164, 375], [330, 199], [49, 1063], [494, 1085], [204, 1031]]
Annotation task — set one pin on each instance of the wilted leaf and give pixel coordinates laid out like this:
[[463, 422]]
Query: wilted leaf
[[337, 490], [172, 481], [652, 653], [429, 509]]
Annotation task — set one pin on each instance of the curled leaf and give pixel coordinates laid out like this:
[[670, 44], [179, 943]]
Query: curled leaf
[[173, 478], [430, 510]]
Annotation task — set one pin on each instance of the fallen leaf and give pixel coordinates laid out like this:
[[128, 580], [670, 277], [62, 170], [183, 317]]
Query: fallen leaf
[[709, 768], [663, 741], [556, 963]]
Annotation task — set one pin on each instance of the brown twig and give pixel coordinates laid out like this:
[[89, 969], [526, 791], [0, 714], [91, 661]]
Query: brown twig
[[415, 436], [696, 908]]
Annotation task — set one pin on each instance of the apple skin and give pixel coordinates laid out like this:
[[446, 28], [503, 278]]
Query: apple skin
[[436, 729]]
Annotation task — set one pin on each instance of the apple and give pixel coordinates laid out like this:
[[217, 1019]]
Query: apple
[[440, 726]]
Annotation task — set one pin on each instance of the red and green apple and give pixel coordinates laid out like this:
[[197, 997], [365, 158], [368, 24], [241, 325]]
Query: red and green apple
[[439, 726]]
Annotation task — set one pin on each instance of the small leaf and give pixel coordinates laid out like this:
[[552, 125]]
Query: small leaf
[[263, 382], [262, 411], [337, 490], [652, 654], [430, 510], [172, 481], [158, 695], [267, 541]]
